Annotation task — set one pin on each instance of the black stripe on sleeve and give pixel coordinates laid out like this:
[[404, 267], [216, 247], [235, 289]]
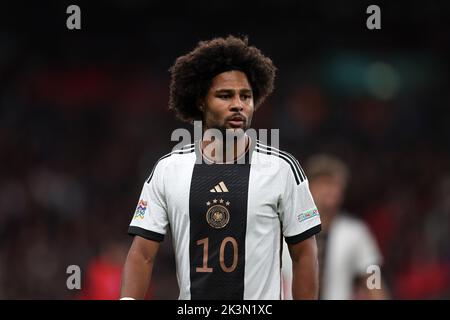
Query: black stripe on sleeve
[[144, 233], [304, 235]]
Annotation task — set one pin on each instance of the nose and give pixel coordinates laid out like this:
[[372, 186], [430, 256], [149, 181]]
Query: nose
[[237, 105], [236, 108]]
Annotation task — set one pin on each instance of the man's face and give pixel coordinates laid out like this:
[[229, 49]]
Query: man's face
[[328, 192], [229, 102]]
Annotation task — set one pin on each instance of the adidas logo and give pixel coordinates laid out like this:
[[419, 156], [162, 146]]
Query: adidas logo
[[221, 187]]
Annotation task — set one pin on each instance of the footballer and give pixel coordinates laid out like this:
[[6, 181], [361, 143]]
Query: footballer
[[227, 215]]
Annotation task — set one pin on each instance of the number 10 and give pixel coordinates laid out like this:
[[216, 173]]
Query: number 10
[[205, 243]]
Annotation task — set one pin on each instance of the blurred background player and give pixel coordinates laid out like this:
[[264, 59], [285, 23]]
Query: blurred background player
[[346, 246]]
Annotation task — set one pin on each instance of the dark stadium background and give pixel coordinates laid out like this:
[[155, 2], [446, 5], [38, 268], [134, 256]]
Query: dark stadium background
[[83, 118]]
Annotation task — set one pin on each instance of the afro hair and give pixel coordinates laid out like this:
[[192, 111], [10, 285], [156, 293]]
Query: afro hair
[[192, 74]]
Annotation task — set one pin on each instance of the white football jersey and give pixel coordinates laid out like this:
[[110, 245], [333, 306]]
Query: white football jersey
[[227, 220]]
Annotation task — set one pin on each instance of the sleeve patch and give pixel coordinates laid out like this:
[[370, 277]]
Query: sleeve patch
[[308, 214], [140, 209]]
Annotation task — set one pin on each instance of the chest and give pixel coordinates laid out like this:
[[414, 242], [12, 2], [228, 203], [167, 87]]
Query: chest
[[212, 191]]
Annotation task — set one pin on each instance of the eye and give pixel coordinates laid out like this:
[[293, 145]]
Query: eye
[[245, 96], [224, 96]]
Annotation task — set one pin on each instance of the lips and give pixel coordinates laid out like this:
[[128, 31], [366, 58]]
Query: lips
[[236, 121]]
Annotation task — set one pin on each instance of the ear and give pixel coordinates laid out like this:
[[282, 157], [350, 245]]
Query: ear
[[201, 105]]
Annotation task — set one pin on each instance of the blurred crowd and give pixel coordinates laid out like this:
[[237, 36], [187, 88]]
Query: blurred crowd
[[80, 132]]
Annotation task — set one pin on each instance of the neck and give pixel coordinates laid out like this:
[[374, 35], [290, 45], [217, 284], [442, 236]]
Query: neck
[[223, 151]]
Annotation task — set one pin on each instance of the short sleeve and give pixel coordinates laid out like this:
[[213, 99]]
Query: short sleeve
[[150, 218], [298, 212]]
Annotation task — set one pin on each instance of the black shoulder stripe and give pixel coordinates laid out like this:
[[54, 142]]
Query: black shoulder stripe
[[296, 161], [291, 158], [298, 177], [154, 167], [188, 146], [287, 154], [183, 151], [192, 149], [292, 165]]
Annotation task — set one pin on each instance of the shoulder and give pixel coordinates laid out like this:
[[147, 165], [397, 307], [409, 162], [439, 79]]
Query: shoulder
[[287, 162], [176, 156], [351, 225]]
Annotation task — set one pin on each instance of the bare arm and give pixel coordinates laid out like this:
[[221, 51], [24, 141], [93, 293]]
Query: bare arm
[[138, 268], [305, 269]]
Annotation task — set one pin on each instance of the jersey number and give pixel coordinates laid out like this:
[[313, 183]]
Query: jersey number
[[205, 243]]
